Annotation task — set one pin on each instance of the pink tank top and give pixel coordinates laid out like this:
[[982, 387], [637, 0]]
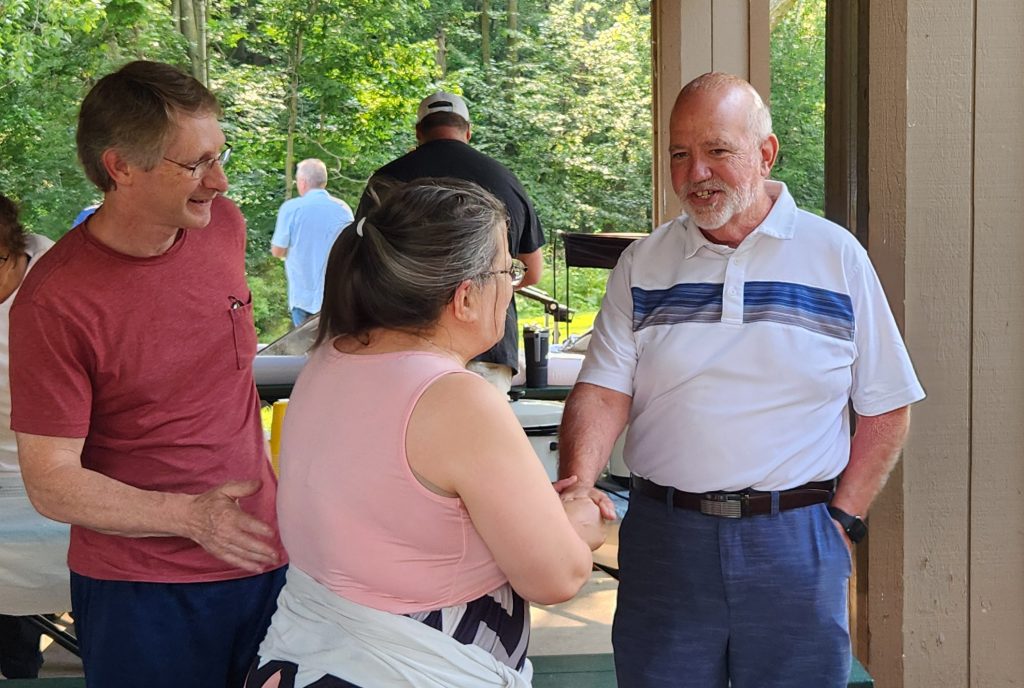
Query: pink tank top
[[352, 514]]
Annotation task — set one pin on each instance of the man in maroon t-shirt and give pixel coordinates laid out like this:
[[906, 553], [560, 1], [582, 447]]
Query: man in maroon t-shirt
[[133, 399]]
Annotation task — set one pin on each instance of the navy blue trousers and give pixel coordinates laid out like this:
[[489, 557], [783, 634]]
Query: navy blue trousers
[[164, 635], [708, 602]]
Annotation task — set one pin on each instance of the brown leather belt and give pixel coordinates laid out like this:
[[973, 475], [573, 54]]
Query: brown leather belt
[[737, 504]]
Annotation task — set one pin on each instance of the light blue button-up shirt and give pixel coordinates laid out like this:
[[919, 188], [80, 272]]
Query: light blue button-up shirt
[[307, 226]]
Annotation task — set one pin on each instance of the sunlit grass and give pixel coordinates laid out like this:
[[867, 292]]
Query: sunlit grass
[[581, 323], [585, 287]]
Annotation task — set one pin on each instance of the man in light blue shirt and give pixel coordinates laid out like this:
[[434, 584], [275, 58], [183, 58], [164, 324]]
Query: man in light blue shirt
[[84, 215], [306, 229]]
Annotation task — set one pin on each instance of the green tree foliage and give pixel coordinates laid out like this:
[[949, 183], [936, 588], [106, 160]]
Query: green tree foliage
[[798, 101], [563, 100], [339, 98], [565, 103], [52, 51]]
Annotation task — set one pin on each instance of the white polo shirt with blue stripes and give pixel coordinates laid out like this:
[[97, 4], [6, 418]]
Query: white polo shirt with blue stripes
[[741, 362]]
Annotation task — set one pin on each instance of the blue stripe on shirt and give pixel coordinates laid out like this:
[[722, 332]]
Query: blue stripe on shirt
[[688, 302], [817, 310]]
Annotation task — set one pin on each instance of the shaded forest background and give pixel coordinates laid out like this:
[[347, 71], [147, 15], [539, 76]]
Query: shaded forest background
[[559, 90]]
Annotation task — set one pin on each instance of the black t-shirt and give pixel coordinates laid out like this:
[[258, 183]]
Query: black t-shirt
[[448, 158]]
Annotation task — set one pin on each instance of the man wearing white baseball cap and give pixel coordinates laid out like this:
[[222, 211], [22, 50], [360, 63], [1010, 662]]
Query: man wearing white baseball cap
[[442, 102], [442, 136]]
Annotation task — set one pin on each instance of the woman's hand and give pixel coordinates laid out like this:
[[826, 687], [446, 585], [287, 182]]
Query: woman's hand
[[572, 488], [585, 517]]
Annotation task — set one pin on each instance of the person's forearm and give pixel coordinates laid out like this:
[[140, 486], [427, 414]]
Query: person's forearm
[[529, 279], [61, 489], [76, 495], [874, 451], [593, 419], [534, 262]]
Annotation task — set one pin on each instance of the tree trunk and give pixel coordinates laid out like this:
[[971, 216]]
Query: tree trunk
[[513, 30], [485, 31], [187, 27], [295, 63], [190, 19], [293, 114], [441, 54], [201, 66], [777, 9]]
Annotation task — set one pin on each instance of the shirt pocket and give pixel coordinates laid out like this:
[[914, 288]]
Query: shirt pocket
[[243, 330]]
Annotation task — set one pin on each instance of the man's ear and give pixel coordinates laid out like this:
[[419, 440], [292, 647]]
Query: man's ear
[[769, 154], [465, 302], [118, 167]]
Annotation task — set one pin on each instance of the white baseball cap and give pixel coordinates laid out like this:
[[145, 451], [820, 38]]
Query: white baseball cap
[[442, 102]]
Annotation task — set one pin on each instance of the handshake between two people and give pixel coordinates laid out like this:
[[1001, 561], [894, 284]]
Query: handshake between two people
[[588, 509]]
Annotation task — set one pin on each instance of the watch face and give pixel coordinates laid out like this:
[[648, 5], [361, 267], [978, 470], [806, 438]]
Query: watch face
[[853, 526], [857, 530]]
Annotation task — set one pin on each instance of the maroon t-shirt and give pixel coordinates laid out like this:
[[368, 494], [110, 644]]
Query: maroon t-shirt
[[150, 360]]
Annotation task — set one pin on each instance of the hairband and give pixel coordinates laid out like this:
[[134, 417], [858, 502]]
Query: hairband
[[359, 226]]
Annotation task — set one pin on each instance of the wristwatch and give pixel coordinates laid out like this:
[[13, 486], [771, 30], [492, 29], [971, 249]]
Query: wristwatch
[[854, 526]]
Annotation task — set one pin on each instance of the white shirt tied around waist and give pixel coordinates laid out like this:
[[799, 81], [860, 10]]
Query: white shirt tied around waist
[[741, 361], [323, 633]]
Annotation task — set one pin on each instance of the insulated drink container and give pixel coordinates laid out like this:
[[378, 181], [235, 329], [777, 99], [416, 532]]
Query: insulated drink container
[[535, 342]]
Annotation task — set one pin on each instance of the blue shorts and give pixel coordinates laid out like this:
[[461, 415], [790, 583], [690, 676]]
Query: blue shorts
[[708, 602], [201, 635]]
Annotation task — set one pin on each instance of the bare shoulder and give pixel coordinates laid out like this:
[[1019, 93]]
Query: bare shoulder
[[461, 399]]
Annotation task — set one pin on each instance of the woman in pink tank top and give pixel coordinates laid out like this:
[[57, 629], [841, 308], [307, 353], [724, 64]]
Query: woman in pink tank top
[[418, 520]]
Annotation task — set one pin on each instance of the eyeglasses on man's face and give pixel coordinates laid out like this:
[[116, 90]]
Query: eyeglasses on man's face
[[516, 272], [199, 169]]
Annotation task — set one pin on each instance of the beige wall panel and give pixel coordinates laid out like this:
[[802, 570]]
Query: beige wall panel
[[997, 480], [729, 20], [696, 30], [759, 67], [939, 235]]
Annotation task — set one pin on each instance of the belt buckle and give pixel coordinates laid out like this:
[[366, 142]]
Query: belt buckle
[[723, 504]]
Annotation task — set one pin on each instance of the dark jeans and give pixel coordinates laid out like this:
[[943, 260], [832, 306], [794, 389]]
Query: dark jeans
[[165, 635]]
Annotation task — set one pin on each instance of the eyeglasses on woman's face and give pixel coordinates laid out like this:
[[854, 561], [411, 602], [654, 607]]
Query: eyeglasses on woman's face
[[516, 272], [199, 169]]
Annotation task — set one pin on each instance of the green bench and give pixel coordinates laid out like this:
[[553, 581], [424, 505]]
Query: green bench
[[598, 671]]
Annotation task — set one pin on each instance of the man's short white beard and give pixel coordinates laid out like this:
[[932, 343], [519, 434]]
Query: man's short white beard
[[734, 203]]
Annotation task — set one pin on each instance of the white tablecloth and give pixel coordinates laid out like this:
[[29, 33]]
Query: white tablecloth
[[33, 555]]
